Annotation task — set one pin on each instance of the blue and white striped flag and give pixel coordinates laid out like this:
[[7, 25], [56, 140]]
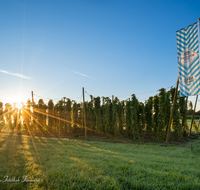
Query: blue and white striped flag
[[188, 60]]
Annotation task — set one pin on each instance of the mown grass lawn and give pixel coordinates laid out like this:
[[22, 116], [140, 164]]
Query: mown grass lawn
[[57, 163]]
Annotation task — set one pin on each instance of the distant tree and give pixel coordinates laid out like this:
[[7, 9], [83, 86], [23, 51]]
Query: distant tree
[[56, 121], [121, 116], [15, 120], [148, 115], [128, 119], [108, 121], [98, 114], [197, 113], [75, 116], [2, 122], [134, 117], [1, 107], [34, 118], [68, 115], [26, 115], [176, 125], [117, 117], [90, 115], [141, 118], [156, 116], [80, 116], [61, 115], [183, 113], [123, 119], [50, 111], [163, 119], [19, 121], [41, 107], [190, 105], [168, 110], [190, 110], [8, 108]]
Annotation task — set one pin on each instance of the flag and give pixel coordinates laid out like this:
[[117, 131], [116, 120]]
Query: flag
[[188, 60]]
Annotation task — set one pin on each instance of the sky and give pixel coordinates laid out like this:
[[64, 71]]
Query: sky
[[109, 47]]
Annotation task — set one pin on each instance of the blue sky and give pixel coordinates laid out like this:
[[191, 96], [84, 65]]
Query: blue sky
[[109, 47]]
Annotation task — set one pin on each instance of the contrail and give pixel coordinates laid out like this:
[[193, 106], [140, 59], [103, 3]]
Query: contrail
[[73, 85], [15, 74], [80, 74], [83, 75]]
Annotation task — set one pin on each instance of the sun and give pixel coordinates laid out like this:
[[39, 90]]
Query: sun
[[18, 105], [17, 102]]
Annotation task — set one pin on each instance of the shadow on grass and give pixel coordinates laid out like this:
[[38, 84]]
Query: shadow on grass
[[66, 169], [35, 167], [63, 164], [12, 162]]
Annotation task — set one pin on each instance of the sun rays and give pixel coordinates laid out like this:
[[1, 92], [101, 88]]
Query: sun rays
[[34, 120], [28, 117]]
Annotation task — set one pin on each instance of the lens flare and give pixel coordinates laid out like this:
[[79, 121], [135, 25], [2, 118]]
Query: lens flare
[[18, 105]]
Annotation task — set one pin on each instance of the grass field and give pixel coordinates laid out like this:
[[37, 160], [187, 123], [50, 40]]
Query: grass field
[[189, 123], [57, 163]]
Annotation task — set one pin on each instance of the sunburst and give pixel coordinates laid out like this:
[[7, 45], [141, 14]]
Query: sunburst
[[19, 105]]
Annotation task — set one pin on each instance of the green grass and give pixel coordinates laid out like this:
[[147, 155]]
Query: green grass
[[77, 164], [189, 124]]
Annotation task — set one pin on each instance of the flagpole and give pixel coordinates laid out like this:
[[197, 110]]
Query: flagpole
[[196, 96], [195, 101], [199, 62]]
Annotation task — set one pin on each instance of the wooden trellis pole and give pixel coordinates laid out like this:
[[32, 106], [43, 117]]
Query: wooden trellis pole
[[32, 96], [198, 124], [172, 112], [84, 114], [193, 116], [186, 109], [65, 113]]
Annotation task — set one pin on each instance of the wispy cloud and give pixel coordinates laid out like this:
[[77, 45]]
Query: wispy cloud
[[80, 74], [16, 74]]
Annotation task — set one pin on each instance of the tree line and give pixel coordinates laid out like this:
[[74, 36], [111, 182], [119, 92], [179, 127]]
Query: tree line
[[128, 118]]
